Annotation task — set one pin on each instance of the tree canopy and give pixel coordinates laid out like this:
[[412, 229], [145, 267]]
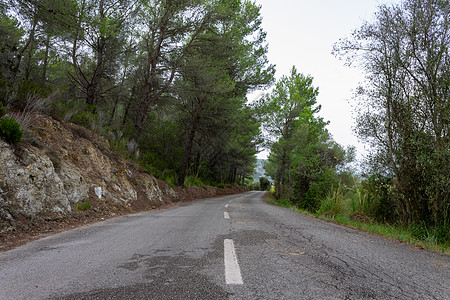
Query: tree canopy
[[164, 79], [404, 105], [166, 82]]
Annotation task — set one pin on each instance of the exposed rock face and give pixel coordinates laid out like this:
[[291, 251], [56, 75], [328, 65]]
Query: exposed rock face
[[62, 165], [59, 165], [29, 182]]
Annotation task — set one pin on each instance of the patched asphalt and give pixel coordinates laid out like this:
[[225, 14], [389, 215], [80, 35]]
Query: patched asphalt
[[178, 253]]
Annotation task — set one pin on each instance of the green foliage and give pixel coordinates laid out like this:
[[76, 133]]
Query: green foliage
[[25, 90], [378, 198], [403, 110], [83, 206], [264, 183], [170, 177], [284, 202], [253, 186], [85, 118], [431, 234], [336, 207], [10, 130], [64, 109], [11, 33], [193, 181]]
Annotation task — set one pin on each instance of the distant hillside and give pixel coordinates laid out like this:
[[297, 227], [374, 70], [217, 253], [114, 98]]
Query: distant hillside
[[260, 171]]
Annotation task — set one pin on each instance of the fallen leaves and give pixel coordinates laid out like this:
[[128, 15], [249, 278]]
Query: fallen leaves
[[297, 252]]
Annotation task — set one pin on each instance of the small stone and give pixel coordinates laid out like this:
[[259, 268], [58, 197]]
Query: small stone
[[129, 174], [98, 192]]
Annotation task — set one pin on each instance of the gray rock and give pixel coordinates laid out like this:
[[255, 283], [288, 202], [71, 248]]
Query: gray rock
[[6, 219], [32, 188]]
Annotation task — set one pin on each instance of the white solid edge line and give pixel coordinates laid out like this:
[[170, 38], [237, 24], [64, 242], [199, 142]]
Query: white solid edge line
[[226, 215], [232, 270]]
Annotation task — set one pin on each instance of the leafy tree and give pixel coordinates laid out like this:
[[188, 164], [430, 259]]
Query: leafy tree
[[280, 112], [9, 48], [171, 26], [172, 75], [97, 42], [404, 107], [264, 183], [218, 70]]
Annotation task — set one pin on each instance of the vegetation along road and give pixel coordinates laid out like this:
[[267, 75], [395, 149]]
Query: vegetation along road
[[234, 247]]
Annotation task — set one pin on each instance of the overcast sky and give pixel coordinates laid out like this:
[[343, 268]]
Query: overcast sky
[[302, 33]]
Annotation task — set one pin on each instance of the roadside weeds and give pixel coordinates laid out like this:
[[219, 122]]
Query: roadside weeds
[[386, 230]]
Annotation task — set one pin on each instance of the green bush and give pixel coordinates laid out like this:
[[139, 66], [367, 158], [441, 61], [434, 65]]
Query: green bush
[[10, 130], [193, 181], [85, 205], [24, 90], [284, 202], [378, 198], [85, 118], [333, 204], [264, 183], [64, 109]]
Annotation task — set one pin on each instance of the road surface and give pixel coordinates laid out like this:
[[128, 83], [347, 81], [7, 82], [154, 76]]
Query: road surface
[[235, 247]]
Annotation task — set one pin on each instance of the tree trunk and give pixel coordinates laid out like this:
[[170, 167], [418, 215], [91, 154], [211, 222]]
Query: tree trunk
[[44, 68], [282, 171], [187, 151], [127, 108], [30, 51], [23, 49]]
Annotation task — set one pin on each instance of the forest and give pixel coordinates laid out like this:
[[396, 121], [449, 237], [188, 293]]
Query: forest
[[166, 82]]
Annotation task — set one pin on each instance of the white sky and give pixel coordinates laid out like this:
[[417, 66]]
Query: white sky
[[302, 33]]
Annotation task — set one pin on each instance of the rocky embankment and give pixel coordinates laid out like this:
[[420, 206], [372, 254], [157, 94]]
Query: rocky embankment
[[63, 175]]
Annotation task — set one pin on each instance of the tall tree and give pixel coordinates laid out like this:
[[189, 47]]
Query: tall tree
[[218, 70], [170, 27], [96, 43], [9, 49], [405, 109], [280, 111]]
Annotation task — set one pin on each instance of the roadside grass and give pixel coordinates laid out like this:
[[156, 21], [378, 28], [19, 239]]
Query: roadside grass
[[396, 232]]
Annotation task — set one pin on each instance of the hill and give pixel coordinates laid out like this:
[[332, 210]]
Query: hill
[[260, 171], [63, 175]]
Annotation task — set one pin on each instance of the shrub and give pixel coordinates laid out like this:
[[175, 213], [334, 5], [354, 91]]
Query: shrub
[[64, 109], [10, 130], [264, 183], [85, 119], [25, 90], [193, 181], [83, 206], [333, 204], [378, 198]]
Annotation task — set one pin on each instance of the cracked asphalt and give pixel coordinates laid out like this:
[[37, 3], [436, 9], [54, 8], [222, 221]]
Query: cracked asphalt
[[178, 253]]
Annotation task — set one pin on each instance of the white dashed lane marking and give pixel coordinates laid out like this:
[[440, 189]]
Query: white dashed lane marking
[[226, 215], [232, 270]]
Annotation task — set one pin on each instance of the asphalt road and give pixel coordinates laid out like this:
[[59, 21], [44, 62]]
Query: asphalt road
[[235, 247]]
